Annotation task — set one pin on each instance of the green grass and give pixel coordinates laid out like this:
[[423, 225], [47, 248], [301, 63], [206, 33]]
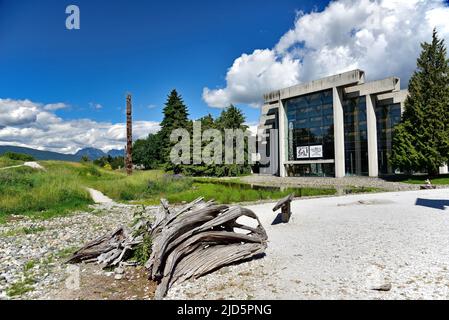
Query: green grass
[[61, 189], [441, 180], [42, 194], [66, 252], [21, 287], [26, 284], [6, 162]]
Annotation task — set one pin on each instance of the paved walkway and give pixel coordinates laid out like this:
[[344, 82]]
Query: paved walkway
[[343, 248]]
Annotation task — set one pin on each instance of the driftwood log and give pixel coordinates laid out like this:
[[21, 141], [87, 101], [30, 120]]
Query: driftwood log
[[186, 243]]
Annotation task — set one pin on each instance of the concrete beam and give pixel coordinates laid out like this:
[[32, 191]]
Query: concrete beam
[[395, 97], [264, 118], [343, 79], [267, 108], [374, 87], [339, 133]]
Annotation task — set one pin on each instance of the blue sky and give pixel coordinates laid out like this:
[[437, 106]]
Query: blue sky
[[63, 90], [144, 47]]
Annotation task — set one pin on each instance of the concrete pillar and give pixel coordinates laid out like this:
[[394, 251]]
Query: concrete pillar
[[282, 139], [371, 124], [357, 143], [339, 133]]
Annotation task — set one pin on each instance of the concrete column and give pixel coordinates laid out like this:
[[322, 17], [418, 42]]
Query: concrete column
[[339, 133], [282, 139], [371, 124]]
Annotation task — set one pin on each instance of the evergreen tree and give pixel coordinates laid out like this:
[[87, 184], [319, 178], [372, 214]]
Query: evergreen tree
[[421, 140], [231, 118], [175, 117], [146, 152]]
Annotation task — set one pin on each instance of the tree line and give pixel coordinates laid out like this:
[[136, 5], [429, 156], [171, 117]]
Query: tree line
[[154, 151], [421, 140]]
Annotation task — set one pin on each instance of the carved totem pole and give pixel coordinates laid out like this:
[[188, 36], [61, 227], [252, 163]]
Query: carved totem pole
[[129, 137]]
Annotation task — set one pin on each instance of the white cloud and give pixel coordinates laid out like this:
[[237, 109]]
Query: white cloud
[[29, 124], [55, 106], [95, 106], [381, 37]]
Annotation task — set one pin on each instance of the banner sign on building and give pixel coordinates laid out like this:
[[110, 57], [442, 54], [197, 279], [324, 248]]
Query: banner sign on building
[[316, 151], [312, 152]]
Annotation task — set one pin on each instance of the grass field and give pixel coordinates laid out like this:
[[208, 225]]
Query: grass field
[[61, 189], [441, 180], [6, 162], [26, 191]]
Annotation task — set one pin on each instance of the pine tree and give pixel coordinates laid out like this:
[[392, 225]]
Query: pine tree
[[421, 140], [175, 117], [231, 118]]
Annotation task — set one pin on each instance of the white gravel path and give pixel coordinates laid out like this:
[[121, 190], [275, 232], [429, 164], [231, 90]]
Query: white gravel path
[[341, 248], [99, 197], [31, 164]]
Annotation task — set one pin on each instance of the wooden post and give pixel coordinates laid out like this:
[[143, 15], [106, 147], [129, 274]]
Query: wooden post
[[286, 212], [129, 137], [285, 205]]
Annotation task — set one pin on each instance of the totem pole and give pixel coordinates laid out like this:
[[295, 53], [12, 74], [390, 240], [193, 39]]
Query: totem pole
[[129, 137]]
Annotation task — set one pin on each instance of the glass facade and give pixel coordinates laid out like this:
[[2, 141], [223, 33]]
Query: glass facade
[[311, 132], [312, 170], [388, 116], [356, 137]]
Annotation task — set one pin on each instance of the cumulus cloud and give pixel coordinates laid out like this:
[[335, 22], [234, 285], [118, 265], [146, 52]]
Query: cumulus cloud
[[29, 124], [381, 37]]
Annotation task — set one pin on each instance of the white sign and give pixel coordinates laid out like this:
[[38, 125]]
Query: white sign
[[316, 151], [302, 152]]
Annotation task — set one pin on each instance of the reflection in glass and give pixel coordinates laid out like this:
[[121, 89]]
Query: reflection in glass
[[388, 116], [356, 142]]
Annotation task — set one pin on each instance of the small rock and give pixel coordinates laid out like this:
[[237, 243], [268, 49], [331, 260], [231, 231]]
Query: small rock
[[118, 277], [119, 270], [382, 287]]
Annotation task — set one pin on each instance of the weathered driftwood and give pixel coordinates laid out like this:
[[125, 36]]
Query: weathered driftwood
[[285, 205], [186, 243], [104, 246]]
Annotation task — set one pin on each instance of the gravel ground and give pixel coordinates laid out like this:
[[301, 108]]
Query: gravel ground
[[32, 252], [333, 248], [340, 183], [374, 246]]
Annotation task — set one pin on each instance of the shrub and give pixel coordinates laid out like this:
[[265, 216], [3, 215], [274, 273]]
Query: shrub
[[19, 156]]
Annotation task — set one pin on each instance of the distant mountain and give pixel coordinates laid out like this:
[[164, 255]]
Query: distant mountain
[[39, 155], [92, 153], [116, 153]]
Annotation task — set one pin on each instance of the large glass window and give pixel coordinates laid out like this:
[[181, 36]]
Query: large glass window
[[356, 142], [388, 116], [312, 170], [310, 126]]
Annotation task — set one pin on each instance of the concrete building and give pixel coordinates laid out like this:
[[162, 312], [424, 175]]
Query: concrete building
[[336, 126]]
